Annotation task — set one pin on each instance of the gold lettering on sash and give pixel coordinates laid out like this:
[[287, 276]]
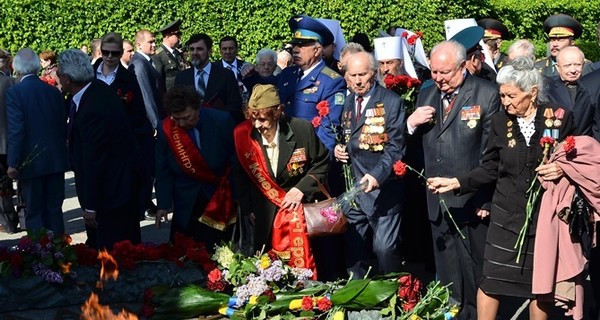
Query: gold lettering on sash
[[182, 154]]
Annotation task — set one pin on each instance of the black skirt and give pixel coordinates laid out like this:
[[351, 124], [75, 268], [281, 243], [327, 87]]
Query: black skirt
[[502, 275]]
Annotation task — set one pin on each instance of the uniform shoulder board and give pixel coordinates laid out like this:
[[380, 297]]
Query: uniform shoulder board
[[159, 50], [330, 73]]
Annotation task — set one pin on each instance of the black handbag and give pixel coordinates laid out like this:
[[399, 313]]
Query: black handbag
[[580, 226]]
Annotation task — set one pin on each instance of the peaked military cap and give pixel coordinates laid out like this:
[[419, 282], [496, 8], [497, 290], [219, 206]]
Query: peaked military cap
[[494, 29], [171, 28], [306, 29], [562, 25]]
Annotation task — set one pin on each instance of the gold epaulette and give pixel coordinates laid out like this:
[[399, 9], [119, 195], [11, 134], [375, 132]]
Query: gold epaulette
[[330, 73]]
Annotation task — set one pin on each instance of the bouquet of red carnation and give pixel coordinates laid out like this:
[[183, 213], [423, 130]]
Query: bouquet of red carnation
[[406, 86]]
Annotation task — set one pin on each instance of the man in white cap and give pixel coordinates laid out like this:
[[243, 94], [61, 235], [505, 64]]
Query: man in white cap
[[388, 51]]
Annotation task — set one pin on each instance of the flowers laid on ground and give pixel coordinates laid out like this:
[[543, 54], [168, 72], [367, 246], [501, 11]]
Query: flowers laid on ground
[[400, 169], [340, 137], [53, 258], [264, 286], [42, 254], [533, 193], [406, 86]]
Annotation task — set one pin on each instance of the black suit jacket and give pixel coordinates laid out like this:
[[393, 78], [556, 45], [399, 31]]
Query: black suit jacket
[[583, 109], [222, 91], [103, 150], [512, 168], [590, 83], [454, 147]]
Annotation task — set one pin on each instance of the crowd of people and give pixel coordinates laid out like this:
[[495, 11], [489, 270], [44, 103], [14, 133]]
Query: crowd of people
[[232, 142]]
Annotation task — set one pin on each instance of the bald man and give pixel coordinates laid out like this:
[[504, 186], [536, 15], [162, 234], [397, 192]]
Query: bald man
[[566, 90]]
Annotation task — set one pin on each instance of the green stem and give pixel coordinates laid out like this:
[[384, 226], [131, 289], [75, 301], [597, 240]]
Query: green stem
[[442, 202]]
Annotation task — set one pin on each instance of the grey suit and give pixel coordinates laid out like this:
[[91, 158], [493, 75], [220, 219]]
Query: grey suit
[[452, 148], [376, 222], [152, 86]]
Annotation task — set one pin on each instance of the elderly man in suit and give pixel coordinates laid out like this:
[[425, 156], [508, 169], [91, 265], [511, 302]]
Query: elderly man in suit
[[216, 86], [452, 120], [194, 157], [103, 153], [168, 60], [149, 79], [37, 151], [567, 91], [374, 224]]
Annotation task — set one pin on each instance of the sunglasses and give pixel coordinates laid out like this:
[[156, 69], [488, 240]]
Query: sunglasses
[[110, 52]]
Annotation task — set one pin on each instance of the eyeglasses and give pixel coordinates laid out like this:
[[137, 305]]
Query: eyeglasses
[[107, 53]]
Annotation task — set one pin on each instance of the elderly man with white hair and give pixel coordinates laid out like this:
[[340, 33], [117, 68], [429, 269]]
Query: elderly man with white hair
[[37, 152]]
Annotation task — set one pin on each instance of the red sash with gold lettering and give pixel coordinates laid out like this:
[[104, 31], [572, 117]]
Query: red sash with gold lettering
[[290, 237], [219, 212]]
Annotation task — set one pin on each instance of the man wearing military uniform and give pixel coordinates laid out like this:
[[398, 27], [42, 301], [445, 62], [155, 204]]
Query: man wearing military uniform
[[168, 60], [495, 32], [562, 31], [309, 82]]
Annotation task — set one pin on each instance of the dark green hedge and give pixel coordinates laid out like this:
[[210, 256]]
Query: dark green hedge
[[60, 24]]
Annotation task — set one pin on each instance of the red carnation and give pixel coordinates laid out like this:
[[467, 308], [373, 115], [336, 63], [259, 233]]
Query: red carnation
[[546, 142], [323, 108], [409, 292], [324, 304], [215, 275], [411, 40], [316, 121], [269, 293], [569, 144], [216, 286], [129, 97], [400, 168], [307, 303], [389, 81], [402, 80], [273, 255], [324, 111], [404, 34]]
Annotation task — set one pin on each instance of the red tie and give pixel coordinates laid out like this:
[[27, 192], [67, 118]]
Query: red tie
[[359, 101]]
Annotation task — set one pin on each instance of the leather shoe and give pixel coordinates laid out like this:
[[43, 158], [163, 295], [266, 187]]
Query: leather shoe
[[150, 214]]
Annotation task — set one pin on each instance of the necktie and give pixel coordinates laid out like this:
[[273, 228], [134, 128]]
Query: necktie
[[201, 86], [448, 102], [273, 155], [359, 101], [72, 111], [235, 74], [300, 74]]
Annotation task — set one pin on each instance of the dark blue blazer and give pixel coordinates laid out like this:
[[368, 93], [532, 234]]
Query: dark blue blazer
[[152, 86], [174, 188], [385, 200], [583, 109], [454, 148], [36, 125]]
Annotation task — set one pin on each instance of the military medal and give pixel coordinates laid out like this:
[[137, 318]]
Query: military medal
[[512, 143], [373, 136], [557, 123], [549, 123], [296, 164], [472, 123]]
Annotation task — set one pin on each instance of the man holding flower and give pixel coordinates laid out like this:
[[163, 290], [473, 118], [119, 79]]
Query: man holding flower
[[375, 141]]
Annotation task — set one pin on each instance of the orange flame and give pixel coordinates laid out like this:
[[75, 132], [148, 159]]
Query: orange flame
[[92, 310], [110, 267], [66, 267]]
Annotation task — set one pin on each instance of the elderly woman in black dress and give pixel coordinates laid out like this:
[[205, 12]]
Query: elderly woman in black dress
[[512, 159]]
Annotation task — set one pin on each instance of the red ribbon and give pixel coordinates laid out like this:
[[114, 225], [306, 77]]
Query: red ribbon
[[219, 212], [290, 237]]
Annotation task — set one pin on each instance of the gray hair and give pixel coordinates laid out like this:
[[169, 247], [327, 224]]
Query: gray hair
[[524, 45], [26, 61], [266, 52], [451, 47], [351, 47], [522, 74], [76, 64], [373, 64]]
